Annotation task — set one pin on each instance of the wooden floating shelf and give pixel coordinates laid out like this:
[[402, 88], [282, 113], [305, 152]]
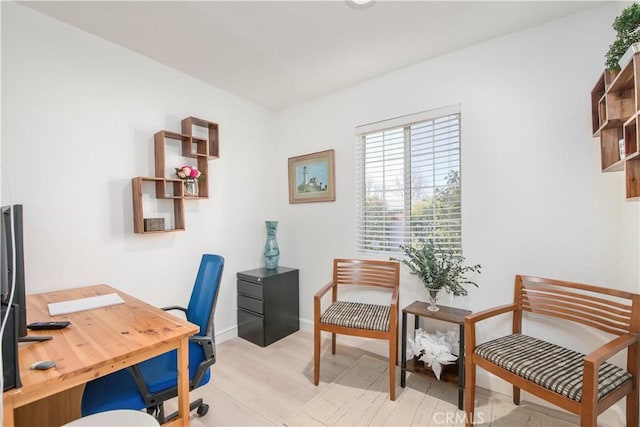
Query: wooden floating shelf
[[615, 111], [202, 148]]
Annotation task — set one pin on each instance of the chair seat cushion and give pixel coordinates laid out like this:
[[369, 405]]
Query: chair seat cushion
[[119, 390], [548, 365], [358, 315]]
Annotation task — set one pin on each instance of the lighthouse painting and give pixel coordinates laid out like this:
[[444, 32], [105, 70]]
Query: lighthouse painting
[[311, 177]]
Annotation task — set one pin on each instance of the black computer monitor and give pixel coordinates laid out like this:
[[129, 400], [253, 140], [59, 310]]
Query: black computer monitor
[[12, 273]]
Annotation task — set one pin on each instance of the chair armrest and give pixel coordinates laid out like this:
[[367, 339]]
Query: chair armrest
[[175, 307], [395, 296], [326, 288], [199, 338], [591, 367], [318, 296], [604, 352], [151, 399], [207, 345], [140, 382], [393, 308], [473, 318]]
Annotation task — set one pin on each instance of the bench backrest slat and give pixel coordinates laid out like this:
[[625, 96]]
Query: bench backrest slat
[[610, 310]]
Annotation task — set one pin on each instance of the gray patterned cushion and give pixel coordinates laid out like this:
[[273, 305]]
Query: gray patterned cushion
[[549, 365], [357, 315]]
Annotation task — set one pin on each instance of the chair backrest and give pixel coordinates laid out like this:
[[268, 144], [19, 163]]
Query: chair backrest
[[614, 311], [204, 296], [384, 274]]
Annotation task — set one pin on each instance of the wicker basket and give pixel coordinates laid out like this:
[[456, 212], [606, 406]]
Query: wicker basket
[[154, 224]]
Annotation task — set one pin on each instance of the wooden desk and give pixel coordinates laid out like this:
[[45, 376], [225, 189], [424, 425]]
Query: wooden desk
[[98, 342]]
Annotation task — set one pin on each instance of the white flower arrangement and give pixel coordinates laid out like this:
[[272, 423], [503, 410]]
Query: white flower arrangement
[[435, 350]]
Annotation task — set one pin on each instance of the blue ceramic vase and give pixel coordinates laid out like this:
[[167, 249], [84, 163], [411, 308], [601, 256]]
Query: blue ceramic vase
[[271, 249]]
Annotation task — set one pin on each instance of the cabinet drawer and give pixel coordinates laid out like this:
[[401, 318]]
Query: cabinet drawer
[[252, 289], [251, 304], [251, 327]]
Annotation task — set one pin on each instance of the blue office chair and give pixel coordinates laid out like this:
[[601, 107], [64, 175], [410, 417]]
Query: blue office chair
[[150, 383]]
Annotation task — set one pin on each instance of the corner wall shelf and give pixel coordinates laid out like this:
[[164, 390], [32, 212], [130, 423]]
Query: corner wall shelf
[[615, 110], [199, 141]]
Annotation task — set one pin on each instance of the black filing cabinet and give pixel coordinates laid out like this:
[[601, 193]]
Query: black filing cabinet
[[268, 304]]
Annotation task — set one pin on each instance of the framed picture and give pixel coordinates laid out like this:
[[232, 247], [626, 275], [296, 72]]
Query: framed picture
[[312, 178]]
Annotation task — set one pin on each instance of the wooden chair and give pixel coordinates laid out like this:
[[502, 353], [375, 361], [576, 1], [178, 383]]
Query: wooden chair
[[584, 385], [359, 318]]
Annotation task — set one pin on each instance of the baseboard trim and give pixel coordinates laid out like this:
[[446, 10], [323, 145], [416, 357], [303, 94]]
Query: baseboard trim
[[227, 334]]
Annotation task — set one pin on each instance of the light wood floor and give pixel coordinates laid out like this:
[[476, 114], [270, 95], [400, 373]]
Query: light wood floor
[[256, 386], [263, 386]]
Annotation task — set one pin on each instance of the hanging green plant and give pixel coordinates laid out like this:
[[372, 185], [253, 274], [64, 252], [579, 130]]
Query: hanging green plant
[[627, 26]]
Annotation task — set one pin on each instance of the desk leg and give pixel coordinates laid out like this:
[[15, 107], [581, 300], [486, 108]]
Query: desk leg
[[7, 412], [183, 382], [403, 353], [461, 368]]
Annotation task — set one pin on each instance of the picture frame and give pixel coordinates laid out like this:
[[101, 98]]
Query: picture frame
[[312, 177]]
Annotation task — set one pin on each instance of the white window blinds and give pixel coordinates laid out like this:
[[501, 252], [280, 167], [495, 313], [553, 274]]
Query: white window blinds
[[408, 182]]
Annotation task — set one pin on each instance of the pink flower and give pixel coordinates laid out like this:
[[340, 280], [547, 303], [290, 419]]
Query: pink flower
[[188, 172]]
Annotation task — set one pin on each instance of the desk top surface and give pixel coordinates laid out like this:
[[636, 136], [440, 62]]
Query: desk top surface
[[98, 341]]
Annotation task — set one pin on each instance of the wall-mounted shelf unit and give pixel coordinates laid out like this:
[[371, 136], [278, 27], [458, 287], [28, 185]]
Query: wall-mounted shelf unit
[[615, 106], [210, 130], [199, 141], [186, 143], [173, 197]]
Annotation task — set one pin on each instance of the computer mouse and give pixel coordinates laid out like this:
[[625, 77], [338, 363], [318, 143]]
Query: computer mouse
[[43, 365]]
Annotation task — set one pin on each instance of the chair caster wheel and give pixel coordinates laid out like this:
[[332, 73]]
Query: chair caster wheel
[[203, 409]]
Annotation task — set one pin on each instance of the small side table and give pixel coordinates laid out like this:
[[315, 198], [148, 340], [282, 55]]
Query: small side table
[[451, 374]]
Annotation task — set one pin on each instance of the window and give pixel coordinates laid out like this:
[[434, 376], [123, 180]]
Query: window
[[408, 182]]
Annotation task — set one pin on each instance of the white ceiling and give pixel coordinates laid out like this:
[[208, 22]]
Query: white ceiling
[[280, 53]]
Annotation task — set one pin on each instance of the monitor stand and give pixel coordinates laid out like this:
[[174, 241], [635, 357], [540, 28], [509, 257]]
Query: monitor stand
[[34, 338]]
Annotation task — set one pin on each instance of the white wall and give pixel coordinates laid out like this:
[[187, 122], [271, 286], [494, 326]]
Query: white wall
[[78, 122], [534, 200]]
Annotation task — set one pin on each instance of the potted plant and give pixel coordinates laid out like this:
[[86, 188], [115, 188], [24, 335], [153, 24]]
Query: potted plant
[[627, 26], [438, 268]]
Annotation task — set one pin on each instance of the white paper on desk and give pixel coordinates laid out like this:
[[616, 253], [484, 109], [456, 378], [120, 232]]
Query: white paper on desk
[[71, 306]]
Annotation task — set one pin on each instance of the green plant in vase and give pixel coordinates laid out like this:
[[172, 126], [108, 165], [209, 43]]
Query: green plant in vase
[[627, 26], [438, 269]]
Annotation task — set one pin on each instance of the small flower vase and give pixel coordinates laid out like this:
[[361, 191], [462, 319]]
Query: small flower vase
[[191, 188], [433, 299], [271, 249]]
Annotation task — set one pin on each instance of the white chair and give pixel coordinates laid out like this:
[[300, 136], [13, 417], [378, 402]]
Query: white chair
[[116, 418]]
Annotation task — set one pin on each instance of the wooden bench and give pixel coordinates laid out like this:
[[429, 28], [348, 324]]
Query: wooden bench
[[584, 385]]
